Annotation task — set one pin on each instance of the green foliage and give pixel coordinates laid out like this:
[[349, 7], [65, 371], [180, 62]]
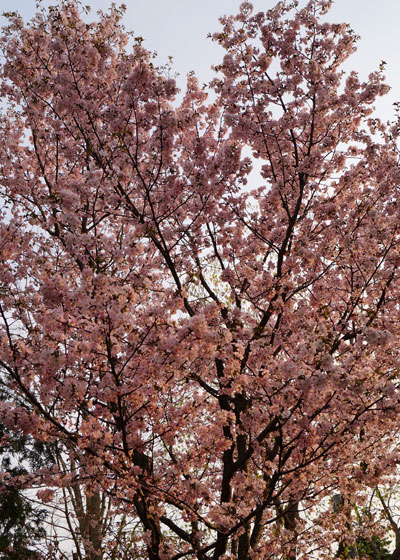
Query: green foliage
[[372, 549], [21, 526]]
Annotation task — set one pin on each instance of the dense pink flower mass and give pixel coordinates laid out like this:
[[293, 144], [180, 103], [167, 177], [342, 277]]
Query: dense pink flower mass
[[211, 337]]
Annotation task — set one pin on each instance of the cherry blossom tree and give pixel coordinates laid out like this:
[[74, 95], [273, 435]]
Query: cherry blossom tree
[[211, 338]]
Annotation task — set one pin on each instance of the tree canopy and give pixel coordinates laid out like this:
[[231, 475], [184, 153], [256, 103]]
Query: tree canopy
[[199, 299]]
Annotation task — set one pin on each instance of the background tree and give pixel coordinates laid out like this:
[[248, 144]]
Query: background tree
[[371, 535], [39, 523], [215, 356], [22, 528]]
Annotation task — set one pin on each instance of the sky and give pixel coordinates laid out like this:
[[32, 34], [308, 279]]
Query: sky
[[179, 28]]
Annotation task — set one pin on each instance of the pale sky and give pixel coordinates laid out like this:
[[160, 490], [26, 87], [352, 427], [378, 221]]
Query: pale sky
[[179, 28]]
